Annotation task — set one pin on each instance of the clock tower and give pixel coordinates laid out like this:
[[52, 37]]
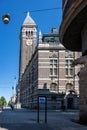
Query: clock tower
[[27, 43]]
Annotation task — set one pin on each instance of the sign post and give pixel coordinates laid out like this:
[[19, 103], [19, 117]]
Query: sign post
[[42, 100]]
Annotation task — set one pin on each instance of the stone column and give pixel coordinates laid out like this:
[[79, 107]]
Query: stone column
[[83, 94], [82, 89]]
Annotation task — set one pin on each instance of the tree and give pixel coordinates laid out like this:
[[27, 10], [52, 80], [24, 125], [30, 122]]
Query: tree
[[9, 103], [0, 104], [2, 101]]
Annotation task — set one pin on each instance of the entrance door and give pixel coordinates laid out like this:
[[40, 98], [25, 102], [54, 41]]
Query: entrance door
[[70, 103]]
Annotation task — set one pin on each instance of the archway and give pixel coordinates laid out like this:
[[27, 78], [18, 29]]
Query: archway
[[53, 87], [70, 103]]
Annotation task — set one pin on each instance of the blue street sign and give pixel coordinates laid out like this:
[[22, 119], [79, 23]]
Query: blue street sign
[[42, 99]]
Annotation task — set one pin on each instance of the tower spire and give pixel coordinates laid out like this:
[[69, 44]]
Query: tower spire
[[28, 20], [28, 13]]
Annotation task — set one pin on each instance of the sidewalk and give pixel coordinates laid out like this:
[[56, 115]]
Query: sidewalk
[[67, 123], [59, 120], [24, 119]]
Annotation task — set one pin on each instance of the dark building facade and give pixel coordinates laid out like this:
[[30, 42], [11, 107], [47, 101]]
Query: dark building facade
[[73, 35], [46, 70]]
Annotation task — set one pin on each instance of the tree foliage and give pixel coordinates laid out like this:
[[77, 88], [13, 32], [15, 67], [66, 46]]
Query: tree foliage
[[2, 101]]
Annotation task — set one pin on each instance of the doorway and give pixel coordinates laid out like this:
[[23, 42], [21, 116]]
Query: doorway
[[70, 103]]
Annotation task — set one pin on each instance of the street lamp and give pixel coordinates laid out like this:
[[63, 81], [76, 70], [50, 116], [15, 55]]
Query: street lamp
[[6, 18], [12, 91]]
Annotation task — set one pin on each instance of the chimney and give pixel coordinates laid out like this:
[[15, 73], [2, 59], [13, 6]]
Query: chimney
[[54, 30]]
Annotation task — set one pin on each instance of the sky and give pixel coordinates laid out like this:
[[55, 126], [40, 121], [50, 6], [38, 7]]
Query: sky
[[45, 13]]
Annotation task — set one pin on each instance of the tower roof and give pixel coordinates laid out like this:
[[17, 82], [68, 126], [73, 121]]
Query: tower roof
[[28, 20]]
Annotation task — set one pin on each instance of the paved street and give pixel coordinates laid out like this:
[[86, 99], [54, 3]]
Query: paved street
[[27, 120], [20, 120]]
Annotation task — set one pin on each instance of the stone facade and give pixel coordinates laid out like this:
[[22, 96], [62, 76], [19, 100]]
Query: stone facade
[[83, 86], [27, 43], [73, 35], [83, 94], [48, 73]]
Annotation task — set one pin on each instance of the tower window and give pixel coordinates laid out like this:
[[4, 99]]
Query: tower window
[[29, 34]]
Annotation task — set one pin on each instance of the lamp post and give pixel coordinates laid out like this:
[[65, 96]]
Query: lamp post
[[12, 90]]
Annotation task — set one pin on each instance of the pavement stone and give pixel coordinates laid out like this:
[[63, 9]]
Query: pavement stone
[[24, 119], [24, 126]]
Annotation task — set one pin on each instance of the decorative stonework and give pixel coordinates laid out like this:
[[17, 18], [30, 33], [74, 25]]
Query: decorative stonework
[[54, 55], [81, 60]]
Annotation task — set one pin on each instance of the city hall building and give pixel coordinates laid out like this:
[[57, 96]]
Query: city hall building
[[45, 69]]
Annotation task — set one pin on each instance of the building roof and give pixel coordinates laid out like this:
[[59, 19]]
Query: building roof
[[52, 37], [28, 20]]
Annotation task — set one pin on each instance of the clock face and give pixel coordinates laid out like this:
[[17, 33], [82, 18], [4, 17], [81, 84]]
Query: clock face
[[28, 42]]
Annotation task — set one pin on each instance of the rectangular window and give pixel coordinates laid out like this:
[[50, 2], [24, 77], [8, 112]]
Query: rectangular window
[[66, 71], [69, 68], [51, 71], [53, 67], [55, 71]]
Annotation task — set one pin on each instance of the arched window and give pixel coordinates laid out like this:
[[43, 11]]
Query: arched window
[[28, 34], [53, 87], [31, 33], [69, 86]]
